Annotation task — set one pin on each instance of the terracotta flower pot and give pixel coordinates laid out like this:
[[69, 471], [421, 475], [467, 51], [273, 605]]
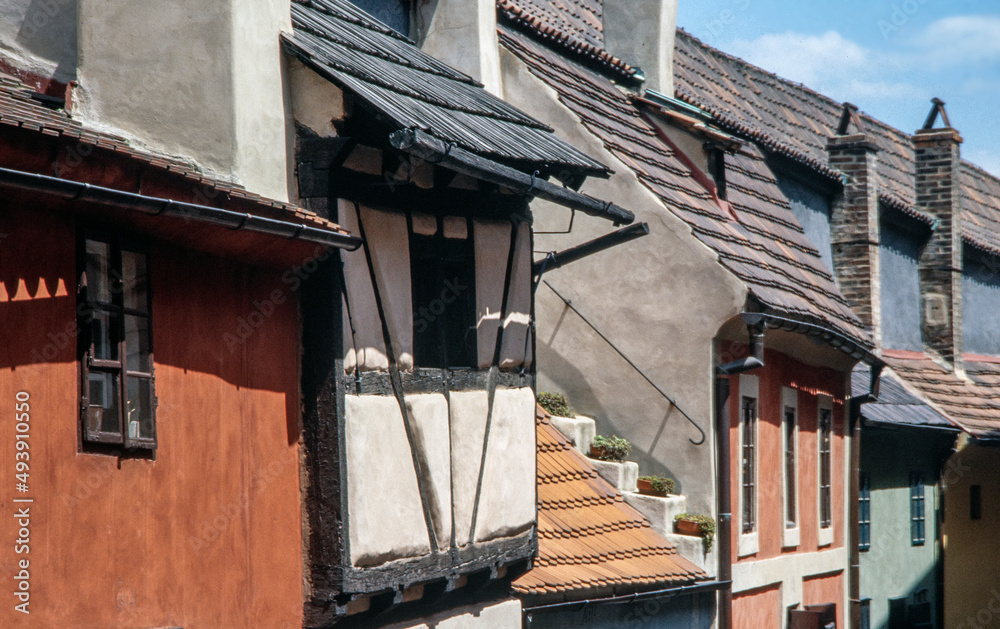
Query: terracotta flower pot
[[687, 527], [646, 488], [596, 452]]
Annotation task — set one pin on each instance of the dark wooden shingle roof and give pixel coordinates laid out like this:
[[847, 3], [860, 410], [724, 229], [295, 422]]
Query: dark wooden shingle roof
[[415, 91]]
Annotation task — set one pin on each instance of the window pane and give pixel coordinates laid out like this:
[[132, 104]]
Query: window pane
[[789, 467], [98, 271], [137, 344], [102, 410], [140, 408], [103, 328], [134, 280]]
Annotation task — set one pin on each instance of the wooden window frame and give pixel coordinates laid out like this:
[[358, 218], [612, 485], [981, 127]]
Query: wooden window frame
[[864, 513], [790, 466], [825, 431], [100, 441], [749, 453], [918, 510]]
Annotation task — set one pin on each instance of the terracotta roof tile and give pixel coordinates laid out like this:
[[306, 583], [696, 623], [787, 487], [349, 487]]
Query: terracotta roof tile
[[766, 247], [590, 541], [973, 403], [18, 109]]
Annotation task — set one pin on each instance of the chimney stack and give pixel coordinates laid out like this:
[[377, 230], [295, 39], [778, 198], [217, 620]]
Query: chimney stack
[[642, 34], [462, 34], [198, 80]]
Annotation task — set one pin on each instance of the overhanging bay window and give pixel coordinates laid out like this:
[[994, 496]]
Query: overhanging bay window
[[115, 337]]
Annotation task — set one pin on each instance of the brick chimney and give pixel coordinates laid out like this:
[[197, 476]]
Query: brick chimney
[[938, 160], [462, 34], [642, 34], [854, 221], [198, 80]]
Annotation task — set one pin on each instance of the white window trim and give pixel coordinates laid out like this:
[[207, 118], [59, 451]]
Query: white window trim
[[790, 536], [825, 535], [749, 387]]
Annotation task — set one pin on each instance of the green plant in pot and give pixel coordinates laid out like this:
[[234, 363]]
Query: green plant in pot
[[696, 524], [555, 404], [610, 448], [655, 485]]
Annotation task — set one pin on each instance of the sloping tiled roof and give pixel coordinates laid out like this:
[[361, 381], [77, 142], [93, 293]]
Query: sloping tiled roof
[[415, 91], [19, 109], [576, 26], [896, 406], [765, 247], [973, 404], [590, 542], [793, 120]]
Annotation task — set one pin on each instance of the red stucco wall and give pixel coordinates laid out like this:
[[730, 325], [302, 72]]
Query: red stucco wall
[[757, 609], [825, 589], [208, 534]]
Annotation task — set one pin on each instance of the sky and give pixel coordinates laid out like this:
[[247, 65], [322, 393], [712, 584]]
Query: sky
[[888, 57]]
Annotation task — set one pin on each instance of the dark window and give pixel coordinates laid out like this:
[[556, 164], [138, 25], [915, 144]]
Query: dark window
[[749, 464], [825, 466], [864, 513], [917, 509], [393, 13], [897, 613], [790, 520], [717, 168], [866, 614], [975, 502], [442, 272], [114, 317]]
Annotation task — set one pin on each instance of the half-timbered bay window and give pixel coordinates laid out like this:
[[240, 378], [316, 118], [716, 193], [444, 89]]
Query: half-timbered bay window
[[114, 317], [825, 438]]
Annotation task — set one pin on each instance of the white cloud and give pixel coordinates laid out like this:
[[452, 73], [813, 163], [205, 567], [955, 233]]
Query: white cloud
[[830, 64], [958, 40]]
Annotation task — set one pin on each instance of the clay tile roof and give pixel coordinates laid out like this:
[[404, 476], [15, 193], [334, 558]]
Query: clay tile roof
[[973, 403], [590, 542], [793, 120], [576, 26], [390, 74], [765, 247], [19, 109]]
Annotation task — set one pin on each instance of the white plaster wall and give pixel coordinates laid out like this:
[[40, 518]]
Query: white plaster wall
[[385, 516], [40, 37], [661, 299], [507, 498], [387, 234], [468, 427], [515, 350], [492, 615], [432, 439], [462, 34], [316, 102], [642, 34], [202, 81]]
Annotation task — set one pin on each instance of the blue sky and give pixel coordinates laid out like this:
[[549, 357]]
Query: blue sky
[[889, 57]]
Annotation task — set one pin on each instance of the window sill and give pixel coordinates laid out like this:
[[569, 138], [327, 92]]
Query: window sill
[[748, 545], [790, 538], [825, 536]]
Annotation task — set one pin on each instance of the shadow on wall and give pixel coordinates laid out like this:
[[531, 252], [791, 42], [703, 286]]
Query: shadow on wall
[[691, 611], [565, 377], [48, 31]]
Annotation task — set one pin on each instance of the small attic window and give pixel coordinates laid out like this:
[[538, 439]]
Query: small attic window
[[393, 13], [717, 167]]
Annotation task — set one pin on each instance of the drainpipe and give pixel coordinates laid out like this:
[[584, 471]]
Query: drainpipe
[[854, 576], [755, 329]]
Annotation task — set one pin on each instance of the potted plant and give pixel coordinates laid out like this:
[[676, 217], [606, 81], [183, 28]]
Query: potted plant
[[655, 485], [555, 404], [611, 448], [696, 524]]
